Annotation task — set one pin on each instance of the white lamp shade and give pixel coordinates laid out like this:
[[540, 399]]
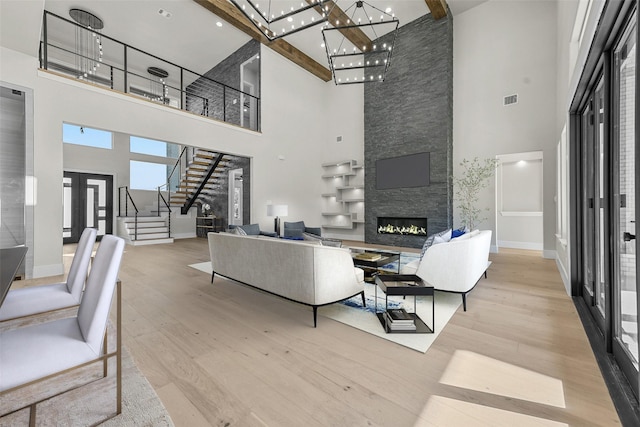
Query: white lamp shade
[[277, 210]]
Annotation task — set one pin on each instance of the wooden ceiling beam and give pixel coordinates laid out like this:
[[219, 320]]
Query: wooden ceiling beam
[[354, 35], [438, 8], [228, 12]]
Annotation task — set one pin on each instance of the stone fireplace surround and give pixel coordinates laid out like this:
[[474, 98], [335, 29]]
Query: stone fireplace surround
[[412, 112]]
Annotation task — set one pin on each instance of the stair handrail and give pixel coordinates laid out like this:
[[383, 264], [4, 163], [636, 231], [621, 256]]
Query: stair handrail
[[126, 208], [161, 197]]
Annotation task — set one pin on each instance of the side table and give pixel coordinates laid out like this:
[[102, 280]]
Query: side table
[[405, 284]]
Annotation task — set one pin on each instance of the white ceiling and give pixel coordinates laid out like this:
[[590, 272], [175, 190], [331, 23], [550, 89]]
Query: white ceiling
[[190, 37]]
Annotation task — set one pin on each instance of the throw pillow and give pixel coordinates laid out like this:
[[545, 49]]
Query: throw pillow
[[444, 236], [239, 231], [458, 232], [311, 237], [293, 233]]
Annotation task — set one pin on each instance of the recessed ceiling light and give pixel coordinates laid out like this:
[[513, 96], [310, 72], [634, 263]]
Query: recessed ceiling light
[[219, 24], [322, 45], [388, 10], [165, 13]]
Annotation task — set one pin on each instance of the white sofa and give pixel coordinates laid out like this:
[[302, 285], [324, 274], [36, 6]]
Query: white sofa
[[454, 266], [304, 272]]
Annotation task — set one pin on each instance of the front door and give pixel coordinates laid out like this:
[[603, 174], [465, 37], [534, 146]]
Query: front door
[[88, 203]]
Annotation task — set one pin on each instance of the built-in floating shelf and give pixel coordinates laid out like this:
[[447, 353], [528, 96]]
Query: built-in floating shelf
[[344, 208]]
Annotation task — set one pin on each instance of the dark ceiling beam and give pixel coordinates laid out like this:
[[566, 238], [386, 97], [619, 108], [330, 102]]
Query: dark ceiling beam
[[438, 8], [354, 35], [228, 12]]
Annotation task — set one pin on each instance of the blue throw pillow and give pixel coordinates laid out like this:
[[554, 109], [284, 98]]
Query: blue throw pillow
[[457, 233]]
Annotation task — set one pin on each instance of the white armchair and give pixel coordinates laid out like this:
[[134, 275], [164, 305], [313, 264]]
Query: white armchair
[[40, 352], [57, 296], [455, 266]]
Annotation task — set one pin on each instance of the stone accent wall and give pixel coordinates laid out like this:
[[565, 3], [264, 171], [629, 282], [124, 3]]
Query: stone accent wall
[[205, 97], [412, 112]]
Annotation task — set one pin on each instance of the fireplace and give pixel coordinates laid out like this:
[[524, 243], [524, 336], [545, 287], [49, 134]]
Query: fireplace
[[402, 226]]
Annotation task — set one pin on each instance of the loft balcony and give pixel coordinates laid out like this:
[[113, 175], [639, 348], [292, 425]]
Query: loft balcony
[[91, 56]]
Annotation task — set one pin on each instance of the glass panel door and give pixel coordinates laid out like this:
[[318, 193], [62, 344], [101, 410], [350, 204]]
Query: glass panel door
[[587, 197], [594, 229], [599, 204], [624, 271], [87, 202]]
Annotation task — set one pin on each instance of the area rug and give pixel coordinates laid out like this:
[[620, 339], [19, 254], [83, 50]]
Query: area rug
[[352, 313], [86, 405]]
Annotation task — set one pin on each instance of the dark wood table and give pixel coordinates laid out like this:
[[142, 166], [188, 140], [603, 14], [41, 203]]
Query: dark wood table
[[10, 260], [405, 284]]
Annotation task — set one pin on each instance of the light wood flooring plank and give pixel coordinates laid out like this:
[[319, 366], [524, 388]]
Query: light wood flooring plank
[[225, 353]]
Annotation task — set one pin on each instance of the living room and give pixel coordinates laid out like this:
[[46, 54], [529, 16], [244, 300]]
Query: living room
[[303, 117]]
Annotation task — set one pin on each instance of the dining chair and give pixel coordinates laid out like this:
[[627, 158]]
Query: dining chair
[[32, 300], [32, 354]]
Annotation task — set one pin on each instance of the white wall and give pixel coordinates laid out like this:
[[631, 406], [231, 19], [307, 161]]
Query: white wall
[[296, 123], [503, 48]]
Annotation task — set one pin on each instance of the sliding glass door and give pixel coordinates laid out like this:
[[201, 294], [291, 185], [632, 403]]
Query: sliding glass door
[[605, 175], [625, 343], [594, 280]]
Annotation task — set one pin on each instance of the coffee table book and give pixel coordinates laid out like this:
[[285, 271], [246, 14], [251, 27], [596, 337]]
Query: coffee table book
[[399, 315], [367, 256], [399, 325]]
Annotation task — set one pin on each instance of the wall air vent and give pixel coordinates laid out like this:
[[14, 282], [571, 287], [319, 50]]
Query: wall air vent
[[511, 99]]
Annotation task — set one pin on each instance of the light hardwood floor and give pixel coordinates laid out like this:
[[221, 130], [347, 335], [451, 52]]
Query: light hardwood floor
[[224, 354]]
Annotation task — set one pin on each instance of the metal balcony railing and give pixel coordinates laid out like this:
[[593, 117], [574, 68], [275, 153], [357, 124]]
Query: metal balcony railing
[[77, 51]]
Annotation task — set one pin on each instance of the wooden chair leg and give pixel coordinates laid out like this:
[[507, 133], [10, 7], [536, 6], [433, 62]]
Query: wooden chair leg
[[315, 316], [213, 273], [464, 301], [364, 302]]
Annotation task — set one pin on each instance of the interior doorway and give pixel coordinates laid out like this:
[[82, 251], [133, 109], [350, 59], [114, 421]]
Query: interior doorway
[[87, 202], [519, 212], [235, 197], [249, 83]]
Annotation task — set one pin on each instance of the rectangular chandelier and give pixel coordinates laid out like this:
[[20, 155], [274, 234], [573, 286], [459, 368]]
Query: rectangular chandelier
[[278, 18], [367, 63]]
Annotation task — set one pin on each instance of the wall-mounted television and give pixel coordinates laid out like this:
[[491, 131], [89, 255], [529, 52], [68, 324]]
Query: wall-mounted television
[[403, 172]]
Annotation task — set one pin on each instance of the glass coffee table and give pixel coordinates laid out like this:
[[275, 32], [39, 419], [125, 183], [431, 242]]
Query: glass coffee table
[[372, 261], [403, 285]]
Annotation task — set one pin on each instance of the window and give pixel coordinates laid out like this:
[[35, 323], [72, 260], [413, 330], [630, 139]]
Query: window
[[146, 175], [82, 135], [152, 147]]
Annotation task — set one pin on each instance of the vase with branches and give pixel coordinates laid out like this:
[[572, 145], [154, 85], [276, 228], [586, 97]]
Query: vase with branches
[[474, 176]]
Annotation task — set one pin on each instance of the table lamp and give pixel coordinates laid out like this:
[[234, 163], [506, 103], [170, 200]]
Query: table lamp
[[277, 211]]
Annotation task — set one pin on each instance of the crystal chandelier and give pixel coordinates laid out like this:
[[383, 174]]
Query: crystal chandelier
[[278, 18], [88, 43], [158, 89], [366, 63]]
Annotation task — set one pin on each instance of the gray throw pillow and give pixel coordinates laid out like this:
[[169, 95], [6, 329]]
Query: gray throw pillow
[[429, 242], [293, 233], [312, 237], [251, 229], [239, 231]]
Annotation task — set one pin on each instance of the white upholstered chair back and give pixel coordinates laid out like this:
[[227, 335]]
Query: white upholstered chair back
[[96, 300], [80, 264]]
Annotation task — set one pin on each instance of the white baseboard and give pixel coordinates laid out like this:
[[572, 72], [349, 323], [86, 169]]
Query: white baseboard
[[47, 270], [548, 254], [520, 245], [564, 276]]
